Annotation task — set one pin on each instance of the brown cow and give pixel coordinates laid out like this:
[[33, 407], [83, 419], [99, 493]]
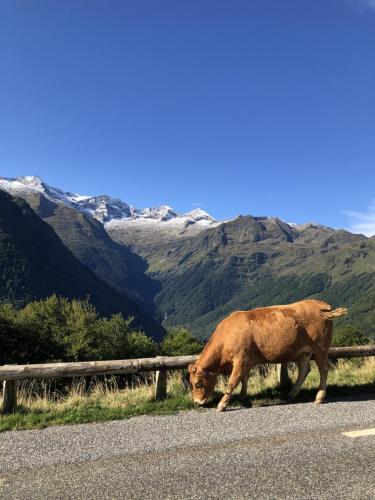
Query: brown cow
[[275, 334]]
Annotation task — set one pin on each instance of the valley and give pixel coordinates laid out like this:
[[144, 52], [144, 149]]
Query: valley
[[192, 270]]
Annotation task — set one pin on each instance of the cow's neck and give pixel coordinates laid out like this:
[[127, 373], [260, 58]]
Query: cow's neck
[[210, 358]]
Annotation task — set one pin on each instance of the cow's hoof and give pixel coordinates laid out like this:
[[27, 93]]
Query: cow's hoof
[[221, 408], [319, 401]]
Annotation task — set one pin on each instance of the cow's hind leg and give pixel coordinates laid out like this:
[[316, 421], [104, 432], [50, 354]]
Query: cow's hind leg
[[244, 381], [321, 358], [303, 370], [238, 372]]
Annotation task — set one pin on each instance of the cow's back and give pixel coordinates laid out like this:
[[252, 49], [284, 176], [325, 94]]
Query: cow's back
[[279, 335], [272, 334]]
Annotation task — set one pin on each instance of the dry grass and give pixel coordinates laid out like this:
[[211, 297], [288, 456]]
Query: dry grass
[[41, 404]]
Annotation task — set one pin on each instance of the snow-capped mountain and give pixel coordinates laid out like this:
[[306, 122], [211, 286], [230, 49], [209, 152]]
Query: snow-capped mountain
[[103, 208], [141, 228], [110, 211], [158, 226], [22, 186]]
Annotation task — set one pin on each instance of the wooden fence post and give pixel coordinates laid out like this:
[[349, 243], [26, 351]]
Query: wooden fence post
[[282, 374], [9, 396], [161, 384]]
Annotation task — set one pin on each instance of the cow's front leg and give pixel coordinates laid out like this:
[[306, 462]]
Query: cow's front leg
[[234, 380]]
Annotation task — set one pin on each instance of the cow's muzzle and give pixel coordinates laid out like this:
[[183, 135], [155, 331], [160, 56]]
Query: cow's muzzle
[[200, 401]]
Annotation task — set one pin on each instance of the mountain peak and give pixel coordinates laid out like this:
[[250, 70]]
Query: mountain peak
[[22, 183], [199, 214], [30, 180], [102, 207], [163, 213]]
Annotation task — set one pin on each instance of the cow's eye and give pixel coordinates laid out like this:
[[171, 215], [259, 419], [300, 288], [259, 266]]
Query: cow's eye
[[198, 385]]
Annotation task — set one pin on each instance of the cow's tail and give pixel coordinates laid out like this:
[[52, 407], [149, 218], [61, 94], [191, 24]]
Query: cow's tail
[[336, 313]]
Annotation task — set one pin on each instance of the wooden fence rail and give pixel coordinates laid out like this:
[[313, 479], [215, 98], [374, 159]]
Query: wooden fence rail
[[10, 374]]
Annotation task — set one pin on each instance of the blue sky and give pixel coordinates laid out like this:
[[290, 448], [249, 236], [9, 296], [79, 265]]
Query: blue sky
[[243, 106]]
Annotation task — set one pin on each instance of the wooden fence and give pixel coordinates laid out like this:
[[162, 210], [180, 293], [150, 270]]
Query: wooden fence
[[10, 374]]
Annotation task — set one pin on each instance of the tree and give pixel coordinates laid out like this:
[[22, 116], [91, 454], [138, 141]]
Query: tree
[[21, 344], [349, 335], [140, 345], [58, 329], [180, 342]]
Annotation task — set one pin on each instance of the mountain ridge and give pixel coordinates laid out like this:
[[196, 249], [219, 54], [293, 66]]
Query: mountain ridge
[[34, 264], [101, 207], [117, 215], [198, 273]]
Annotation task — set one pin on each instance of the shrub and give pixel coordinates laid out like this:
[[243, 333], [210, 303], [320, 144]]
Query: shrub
[[349, 335], [57, 329], [21, 344], [180, 342]]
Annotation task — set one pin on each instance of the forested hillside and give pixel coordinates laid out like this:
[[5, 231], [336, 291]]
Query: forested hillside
[[87, 239], [35, 264], [253, 262], [194, 281]]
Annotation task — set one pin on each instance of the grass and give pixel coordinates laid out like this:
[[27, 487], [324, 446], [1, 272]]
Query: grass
[[40, 405]]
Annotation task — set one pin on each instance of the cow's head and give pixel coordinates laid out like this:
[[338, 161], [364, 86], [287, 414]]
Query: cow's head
[[203, 383]]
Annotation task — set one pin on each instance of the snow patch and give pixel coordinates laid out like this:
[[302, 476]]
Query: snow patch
[[106, 209]]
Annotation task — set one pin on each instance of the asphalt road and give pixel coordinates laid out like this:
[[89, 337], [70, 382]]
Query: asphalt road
[[291, 451]]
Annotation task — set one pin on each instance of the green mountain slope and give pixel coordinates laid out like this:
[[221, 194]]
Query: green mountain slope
[[87, 239], [248, 262], [34, 263], [253, 262]]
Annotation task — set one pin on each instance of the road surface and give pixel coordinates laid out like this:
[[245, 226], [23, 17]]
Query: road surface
[[288, 451]]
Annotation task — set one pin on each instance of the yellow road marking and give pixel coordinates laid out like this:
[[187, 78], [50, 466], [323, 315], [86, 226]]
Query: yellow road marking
[[362, 432]]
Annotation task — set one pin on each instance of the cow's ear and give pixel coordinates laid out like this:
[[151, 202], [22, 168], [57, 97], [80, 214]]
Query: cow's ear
[[207, 373], [192, 368]]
